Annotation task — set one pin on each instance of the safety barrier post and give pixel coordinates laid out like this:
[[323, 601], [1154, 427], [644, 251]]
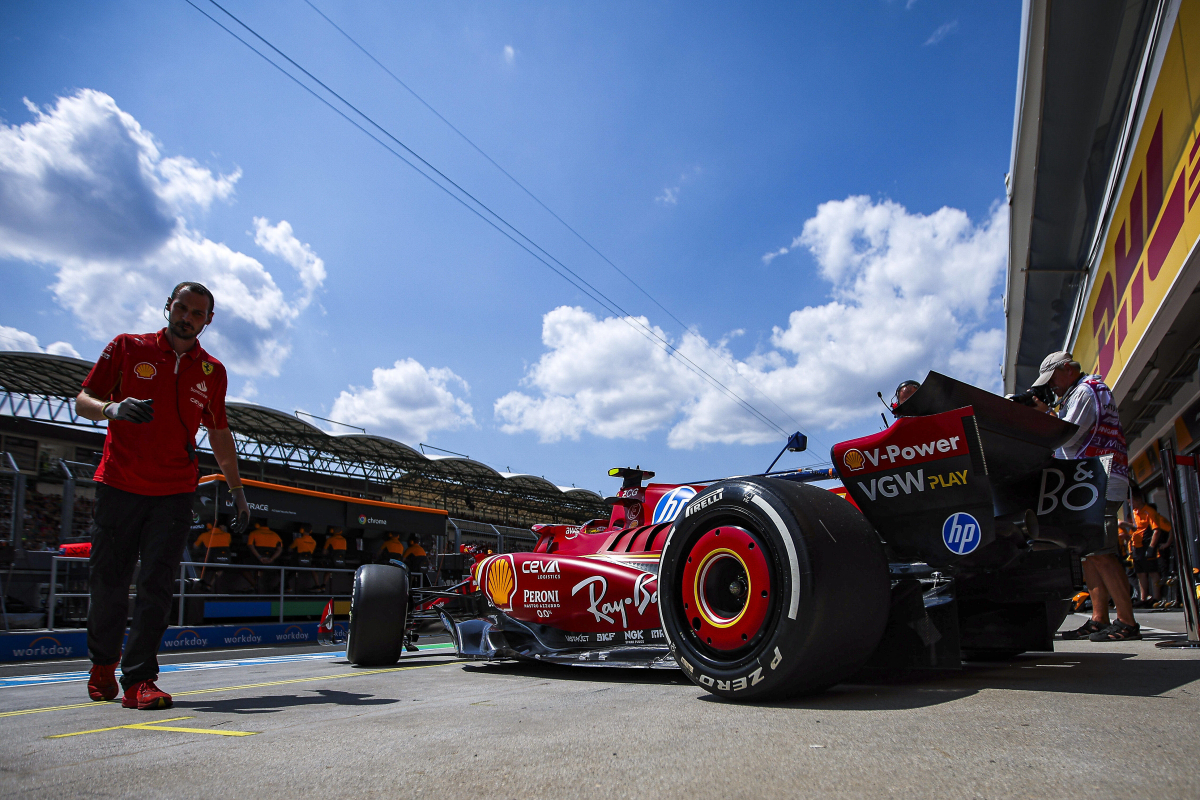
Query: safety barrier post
[[282, 584], [1183, 494], [182, 591], [52, 600]]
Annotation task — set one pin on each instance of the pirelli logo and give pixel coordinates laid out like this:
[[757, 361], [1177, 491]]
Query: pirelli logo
[[703, 502]]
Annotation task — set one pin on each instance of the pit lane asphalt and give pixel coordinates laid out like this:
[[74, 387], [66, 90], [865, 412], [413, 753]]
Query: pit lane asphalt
[[1089, 720]]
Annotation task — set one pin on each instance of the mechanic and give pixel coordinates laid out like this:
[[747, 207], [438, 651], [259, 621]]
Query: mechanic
[[1165, 552], [415, 557], [302, 549], [1150, 535], [266, 547], [304, 544], [333, 551], [214, 541], [391, 548], [336, 541], [154, 390], [1088, 402]]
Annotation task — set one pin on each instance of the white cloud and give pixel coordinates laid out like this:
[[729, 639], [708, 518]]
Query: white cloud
[[774, 254], [909, 293], [86, 191], [280, 241], [942, 32], [510, 55], [14, 339], [406, 401], [670, 194]]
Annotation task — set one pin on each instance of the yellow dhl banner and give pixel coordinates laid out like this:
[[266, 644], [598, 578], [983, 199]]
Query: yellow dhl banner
[[1157, 222]]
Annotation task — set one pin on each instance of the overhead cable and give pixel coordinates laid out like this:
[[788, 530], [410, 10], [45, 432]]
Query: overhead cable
[[547, 208], [528, 244]]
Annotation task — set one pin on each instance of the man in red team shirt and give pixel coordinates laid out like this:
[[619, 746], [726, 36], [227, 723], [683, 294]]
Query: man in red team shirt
[[155, 390]]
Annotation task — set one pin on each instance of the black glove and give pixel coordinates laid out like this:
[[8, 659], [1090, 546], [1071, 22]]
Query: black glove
[[242, 522], [131, 410]]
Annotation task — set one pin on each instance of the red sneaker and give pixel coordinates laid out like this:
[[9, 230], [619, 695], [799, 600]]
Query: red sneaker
[[145, 695], [102, 682]]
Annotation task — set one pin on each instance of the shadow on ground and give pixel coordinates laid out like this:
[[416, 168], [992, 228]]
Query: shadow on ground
[[533, 669], [269, 704], [1098, 673]]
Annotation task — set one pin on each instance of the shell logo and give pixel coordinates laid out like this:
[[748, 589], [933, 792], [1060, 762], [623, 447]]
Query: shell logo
[[501, 581], [145, 370], [853, 459]]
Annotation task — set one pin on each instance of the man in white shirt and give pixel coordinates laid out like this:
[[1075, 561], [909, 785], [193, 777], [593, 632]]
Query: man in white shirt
[[1088, 402]]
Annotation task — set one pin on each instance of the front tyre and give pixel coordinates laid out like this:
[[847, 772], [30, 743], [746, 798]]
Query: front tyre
[[770, 589], [378, 615]]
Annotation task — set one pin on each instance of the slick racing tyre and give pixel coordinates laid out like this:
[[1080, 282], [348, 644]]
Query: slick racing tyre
[[770, 589], [378, 615]]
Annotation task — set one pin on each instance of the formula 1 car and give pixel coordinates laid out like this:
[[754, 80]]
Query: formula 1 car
[[955, 536]]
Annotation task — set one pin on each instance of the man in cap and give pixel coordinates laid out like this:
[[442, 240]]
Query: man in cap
[[1088, 402]]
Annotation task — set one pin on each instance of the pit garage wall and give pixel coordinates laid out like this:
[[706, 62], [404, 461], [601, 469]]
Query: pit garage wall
[[1147, 268]]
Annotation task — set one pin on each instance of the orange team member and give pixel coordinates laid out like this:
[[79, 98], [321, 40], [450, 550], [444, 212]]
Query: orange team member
[[1150, 532], [414, 555], [414, 549], [265, 544], [212, 538], [305, 543], [393, 545], [336, 540]]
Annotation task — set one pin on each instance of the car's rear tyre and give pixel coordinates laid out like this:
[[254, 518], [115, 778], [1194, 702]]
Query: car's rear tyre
[[770, 589], [378, 614]]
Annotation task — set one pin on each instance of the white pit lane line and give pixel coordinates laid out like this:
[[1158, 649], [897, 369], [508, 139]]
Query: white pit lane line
[[165, 669]]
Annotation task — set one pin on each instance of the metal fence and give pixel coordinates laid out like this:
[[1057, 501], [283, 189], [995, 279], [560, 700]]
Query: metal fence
[[55, 596], [500, 538]]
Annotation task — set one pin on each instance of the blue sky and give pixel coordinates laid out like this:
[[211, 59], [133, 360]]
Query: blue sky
[[689, 143]]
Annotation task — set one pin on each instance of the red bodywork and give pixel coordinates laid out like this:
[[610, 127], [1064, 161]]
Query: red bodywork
[[600, 578]]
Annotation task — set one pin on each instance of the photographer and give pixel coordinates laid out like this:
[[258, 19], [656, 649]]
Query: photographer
[[1089, 404]]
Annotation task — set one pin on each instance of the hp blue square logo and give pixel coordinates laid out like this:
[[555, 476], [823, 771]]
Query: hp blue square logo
[[961, 533]]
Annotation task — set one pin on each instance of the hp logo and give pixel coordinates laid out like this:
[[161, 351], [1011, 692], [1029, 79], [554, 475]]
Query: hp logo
[[961, 533], [670, 504]]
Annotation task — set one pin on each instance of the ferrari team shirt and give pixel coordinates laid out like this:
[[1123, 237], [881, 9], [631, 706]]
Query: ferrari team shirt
[[152, 458]]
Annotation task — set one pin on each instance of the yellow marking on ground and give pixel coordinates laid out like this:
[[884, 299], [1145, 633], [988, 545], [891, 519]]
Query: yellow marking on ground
[[55, 708], [356, 674], [156, 725]]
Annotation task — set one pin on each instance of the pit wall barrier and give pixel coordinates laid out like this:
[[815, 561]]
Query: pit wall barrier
[[48, 645]]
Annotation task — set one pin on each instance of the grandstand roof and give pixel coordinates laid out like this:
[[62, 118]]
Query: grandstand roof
[[42, 386]]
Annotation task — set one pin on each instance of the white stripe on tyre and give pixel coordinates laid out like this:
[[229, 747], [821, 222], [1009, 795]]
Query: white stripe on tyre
[[790, 546]]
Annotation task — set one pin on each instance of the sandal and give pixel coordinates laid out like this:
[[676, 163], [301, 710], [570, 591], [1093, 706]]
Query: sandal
[[1084, 631], [1117, 632]]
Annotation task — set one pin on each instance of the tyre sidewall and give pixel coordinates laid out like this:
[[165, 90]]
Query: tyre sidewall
[[769, 663], [378, 615]]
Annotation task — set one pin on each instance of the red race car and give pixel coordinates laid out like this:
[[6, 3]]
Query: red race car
[[955, 536]]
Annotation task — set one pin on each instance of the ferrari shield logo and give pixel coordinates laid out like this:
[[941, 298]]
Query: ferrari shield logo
[[207, 367]]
